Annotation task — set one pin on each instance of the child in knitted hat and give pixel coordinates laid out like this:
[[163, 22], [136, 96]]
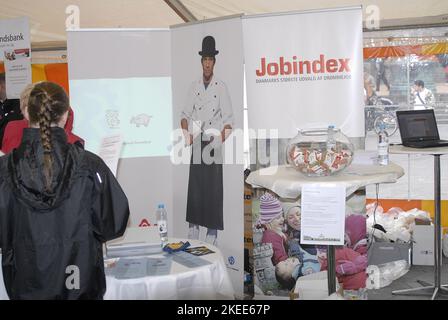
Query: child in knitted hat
[[271, 219]]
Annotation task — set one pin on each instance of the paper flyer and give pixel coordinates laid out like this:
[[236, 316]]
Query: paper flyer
[[110, 150], [199, 251], [323, 214]]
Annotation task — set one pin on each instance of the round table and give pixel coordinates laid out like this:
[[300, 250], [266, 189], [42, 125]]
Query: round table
[[437, 288], [287, 182], [210, 281]]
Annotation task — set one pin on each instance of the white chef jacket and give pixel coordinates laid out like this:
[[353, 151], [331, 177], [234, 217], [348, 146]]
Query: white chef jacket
[[210, 107]]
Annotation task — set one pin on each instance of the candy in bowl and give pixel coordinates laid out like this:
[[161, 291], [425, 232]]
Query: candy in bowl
[[320, 152]]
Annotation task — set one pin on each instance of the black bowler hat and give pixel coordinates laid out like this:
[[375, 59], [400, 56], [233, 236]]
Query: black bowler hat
[[208, 47]]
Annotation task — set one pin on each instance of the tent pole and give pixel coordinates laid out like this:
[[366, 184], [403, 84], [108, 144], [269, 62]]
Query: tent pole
[[181, 10]]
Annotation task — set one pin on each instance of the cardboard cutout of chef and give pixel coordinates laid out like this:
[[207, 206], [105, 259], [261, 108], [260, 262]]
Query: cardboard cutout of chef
[[206, 121]]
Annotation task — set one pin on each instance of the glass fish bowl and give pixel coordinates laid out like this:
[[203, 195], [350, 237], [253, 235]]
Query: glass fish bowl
[[320, 152]]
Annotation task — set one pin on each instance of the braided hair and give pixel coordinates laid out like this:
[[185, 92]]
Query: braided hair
[[47, 104]]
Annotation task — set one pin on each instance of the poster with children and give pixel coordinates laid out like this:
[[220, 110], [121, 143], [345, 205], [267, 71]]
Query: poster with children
[[280, 260]]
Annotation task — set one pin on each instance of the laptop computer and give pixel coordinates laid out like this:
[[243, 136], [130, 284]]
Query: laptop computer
[[418, 129]]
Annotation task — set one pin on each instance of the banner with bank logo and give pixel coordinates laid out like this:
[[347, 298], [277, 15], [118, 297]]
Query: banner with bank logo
[[15, 51], [305, 69]]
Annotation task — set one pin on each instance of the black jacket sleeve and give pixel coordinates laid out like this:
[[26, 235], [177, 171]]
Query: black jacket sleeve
[[110, 207]]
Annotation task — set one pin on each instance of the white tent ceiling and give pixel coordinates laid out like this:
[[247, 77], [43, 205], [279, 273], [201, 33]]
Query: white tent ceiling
[[47, 17]]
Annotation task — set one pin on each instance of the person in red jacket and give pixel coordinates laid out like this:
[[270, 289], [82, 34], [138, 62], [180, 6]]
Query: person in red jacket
[[14, 129], [351, 260], [350, 268]]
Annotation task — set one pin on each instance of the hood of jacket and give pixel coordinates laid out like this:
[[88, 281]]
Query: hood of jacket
[[69, 124], [26, 167]]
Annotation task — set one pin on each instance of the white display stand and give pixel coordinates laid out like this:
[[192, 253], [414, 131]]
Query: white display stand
[[437, 288], [287, 182]]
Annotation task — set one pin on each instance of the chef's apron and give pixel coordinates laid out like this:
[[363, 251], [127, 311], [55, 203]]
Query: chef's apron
[[205, 190]]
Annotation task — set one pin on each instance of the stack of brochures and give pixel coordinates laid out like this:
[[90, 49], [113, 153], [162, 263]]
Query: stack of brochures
[[133, 268], [131, 249]]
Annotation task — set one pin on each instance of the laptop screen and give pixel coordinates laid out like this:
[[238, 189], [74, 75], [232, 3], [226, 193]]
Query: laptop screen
[[417, 125]]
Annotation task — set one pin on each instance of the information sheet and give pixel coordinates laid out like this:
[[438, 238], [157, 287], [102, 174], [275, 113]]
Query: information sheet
[[110, 151], [323, 214]]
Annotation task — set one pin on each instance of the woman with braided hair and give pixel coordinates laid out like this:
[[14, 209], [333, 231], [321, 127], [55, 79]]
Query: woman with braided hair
[[58, 204]]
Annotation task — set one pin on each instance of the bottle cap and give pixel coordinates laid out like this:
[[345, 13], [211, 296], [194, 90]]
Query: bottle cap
[[331, 126], [161, 206]]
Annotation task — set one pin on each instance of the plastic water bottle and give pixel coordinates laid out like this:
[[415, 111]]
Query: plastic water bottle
[[161, 217], [383, 146], [331, 142]]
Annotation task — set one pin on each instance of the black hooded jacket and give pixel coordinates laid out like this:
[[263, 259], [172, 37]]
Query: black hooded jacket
[[52, 241]]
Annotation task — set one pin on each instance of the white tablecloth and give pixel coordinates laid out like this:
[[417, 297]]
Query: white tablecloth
[[287, 182], [201, 283], [207, 282]]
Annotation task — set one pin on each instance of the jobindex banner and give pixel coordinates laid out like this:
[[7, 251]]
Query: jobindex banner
[[304, 69]]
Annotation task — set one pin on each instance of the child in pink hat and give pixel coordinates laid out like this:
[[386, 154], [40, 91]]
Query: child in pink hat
[[271, 219]]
